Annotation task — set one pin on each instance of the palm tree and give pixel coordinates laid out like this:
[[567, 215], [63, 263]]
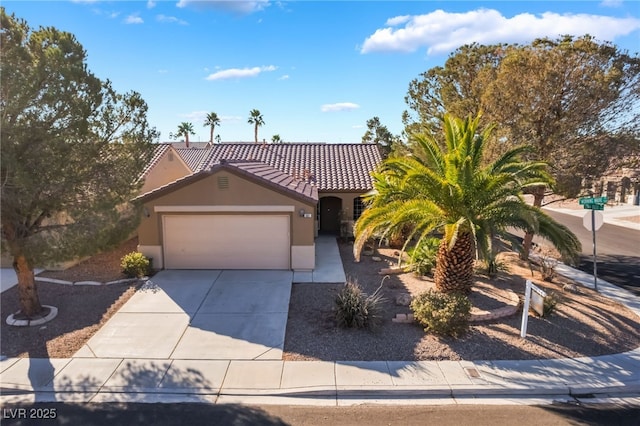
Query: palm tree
[[211, 121], [184, 129], [276, 139], [447, 189], [255, 118]]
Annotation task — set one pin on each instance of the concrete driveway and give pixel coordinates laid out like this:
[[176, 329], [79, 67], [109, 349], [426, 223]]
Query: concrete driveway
[[199, 314]]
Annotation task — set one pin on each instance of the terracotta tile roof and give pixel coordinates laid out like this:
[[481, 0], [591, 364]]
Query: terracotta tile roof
[[193, 157], [273, 177], [254, 170], [331, 167], [159, 150]]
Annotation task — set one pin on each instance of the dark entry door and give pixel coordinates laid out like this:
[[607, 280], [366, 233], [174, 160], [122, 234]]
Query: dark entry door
[[330, 215]]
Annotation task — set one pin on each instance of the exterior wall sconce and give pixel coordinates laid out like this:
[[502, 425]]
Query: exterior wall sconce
[[302, 212], [145, 211]]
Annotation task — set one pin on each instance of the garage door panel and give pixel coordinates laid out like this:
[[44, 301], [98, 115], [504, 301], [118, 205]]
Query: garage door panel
[[226, 241]]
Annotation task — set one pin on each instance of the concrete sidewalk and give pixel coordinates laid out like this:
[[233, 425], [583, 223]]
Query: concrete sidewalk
[[330, 383], [318, 382], [620, 215]]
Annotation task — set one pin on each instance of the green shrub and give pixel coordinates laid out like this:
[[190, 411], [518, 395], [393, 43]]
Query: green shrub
[[354, 308], [135, 264], [442, 314], [423, 256]]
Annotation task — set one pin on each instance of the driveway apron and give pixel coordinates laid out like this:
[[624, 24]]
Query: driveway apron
[[199, 314]]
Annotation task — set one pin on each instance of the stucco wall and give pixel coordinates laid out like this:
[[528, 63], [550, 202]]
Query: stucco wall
[[168, 169], [239, 192]]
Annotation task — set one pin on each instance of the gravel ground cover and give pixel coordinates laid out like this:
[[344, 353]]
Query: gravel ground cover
[[584, 323]]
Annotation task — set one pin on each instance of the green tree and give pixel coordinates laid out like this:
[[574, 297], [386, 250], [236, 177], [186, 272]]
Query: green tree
[[450, 189], [380, 135], [184, 130], [255, 118], [211, 121], [71, 148], [276, 139], [575, 100]]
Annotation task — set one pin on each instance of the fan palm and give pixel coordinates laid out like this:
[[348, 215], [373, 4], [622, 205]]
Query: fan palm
[[255, 118], [184, 129], [447, 189], [212, 120]]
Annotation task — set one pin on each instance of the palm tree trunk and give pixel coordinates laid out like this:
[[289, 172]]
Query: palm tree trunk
[[538, 196], [454, 268], [211, 135], [186, 139], [255, 133]]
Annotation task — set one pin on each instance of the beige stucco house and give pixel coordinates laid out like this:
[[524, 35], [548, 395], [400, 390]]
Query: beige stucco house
[[251, 206]]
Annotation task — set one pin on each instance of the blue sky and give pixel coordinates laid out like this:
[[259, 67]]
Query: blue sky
[[317, 70]]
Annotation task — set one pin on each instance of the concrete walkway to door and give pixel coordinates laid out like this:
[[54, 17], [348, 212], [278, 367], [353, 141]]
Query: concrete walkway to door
[[199, 314], [329, 267]]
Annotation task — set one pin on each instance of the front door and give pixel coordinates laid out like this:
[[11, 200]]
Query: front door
[[330, 208]]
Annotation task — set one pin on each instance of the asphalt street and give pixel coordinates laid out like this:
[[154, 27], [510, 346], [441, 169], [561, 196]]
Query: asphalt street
[[232, 414], [617, 251]]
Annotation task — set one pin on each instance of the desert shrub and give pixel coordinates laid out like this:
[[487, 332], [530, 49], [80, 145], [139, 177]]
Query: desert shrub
[[423, 256], [135, 264], [548, 266], [550, 303], [442, 314], [354, 308]]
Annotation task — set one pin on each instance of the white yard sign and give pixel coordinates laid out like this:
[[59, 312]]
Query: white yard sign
[[534, 298]]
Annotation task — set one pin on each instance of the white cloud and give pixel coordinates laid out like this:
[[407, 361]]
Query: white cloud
[[133, 19], [284, 77], [340, 106], [441, 32], [611, 3], [243, 7], [240, 72], [170, 20], [194, 116], [151, 4]]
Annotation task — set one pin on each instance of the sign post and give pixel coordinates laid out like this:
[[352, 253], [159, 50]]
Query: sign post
[[593, 223], [533, 297]]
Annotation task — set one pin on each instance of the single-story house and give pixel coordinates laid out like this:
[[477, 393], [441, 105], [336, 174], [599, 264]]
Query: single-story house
[[255, 206], [171, 161]]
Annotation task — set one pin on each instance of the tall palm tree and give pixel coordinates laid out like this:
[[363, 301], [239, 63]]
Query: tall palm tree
[[447, 189], [255, 118], [211, 121], [184, 129]]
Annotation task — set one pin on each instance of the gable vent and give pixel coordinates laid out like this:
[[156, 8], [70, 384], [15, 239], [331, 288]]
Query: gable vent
[[223, 182]]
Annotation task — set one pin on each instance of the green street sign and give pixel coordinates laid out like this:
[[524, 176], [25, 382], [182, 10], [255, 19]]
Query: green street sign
[[593, 206], [593, 200]]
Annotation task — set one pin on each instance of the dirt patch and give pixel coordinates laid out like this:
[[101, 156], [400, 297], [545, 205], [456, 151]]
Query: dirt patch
[[632, 219], [584, 323]]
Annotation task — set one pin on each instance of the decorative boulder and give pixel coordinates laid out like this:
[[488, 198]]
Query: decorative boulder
[[403, 299]]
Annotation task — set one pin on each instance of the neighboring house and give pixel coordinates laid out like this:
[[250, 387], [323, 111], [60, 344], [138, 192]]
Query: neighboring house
[[170, 163], [254, 206]]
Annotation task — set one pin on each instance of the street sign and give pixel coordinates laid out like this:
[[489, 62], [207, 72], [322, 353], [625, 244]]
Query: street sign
[[593, 200], [598, 220], [592, 206]]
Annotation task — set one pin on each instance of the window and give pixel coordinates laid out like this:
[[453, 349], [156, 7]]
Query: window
[[358, 208]]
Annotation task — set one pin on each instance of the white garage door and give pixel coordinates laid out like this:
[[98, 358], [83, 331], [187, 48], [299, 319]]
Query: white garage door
[[226, 241]]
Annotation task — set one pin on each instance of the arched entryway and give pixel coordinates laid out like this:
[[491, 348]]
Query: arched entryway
[[330, 208]]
